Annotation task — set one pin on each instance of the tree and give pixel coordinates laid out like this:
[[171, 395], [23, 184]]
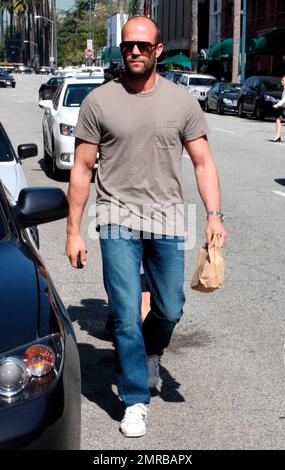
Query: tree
[[193, 52], [134, 7], [236, 44]]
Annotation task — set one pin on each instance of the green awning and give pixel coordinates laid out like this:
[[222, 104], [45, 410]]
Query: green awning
[[112, 54], [224, 49], [179, 59]]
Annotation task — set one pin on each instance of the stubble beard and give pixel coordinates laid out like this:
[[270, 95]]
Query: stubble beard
[[144, 72]]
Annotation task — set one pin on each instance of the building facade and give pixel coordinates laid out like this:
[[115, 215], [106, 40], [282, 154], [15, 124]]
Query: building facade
[[265, 26], [174, 19]]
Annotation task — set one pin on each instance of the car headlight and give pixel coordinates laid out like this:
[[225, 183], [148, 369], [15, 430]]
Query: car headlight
[[30, 370], [66, 129], [228, 101], [270, 98]]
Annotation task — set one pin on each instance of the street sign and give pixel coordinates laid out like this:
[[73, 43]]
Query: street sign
[[89, 54]]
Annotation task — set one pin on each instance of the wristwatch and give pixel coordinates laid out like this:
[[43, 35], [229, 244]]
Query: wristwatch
[[218, 214]]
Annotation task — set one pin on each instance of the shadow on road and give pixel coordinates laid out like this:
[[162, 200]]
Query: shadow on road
[[98, 365]]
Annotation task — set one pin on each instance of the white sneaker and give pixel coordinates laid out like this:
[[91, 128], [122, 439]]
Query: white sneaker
[[153, 371], [133, 423]]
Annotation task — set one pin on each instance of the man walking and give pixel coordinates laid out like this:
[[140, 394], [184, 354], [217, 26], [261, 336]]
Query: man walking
[[141, 123]]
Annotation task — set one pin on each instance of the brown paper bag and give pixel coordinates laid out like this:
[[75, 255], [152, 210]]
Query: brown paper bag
[[209, 273]]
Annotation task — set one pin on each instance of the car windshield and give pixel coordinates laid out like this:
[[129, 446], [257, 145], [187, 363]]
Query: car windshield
[[231, 87], [75, 94], [6, 153], [202, 81], [271, 85]]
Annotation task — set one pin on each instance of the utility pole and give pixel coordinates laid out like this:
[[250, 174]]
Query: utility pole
[[54, 46], [236, 45], [193, 50]]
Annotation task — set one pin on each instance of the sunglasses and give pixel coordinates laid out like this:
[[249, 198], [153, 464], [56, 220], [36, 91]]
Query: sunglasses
[[143, 46]]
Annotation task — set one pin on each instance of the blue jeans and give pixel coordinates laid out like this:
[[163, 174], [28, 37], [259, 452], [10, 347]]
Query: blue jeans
[[122, 255]]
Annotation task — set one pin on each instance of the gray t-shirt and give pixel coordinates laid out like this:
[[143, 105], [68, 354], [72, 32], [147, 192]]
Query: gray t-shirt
[[141, 136]]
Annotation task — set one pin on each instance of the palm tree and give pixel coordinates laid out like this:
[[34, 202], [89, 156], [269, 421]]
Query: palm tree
[[237, 12], [20, 9], [194, 34]]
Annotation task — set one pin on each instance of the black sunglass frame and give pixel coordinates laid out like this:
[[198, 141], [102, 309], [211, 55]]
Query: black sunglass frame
[[143, 46]]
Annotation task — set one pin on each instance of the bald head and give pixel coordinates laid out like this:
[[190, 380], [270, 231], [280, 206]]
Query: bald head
[[142, 25]]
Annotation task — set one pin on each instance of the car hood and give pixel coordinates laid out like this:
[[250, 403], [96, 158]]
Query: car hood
[[200, 87], [230, 96], [19, 297], [69, 116], [12, 175]]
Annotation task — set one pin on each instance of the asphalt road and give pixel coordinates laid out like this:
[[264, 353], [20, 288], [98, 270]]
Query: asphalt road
[[223, 375]]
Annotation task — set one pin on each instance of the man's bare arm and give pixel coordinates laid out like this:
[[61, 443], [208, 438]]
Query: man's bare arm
[[208, 184], [78, 193]]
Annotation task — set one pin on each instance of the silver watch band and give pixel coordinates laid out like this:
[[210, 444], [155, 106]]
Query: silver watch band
[[217, 213]]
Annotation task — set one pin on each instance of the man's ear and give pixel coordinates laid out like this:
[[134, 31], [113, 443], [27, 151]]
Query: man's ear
[[159, 50]]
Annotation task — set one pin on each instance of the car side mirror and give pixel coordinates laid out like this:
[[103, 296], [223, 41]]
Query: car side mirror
[[46, 104], [27, 150], [37, 206]]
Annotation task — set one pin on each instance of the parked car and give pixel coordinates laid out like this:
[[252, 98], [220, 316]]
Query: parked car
[[198, 84], [39, 360], [47, 89], [45, 70], [257, 96], [11, 169], [223, 97], [174, 75], [6, 79], [24, 69], [60, 118]]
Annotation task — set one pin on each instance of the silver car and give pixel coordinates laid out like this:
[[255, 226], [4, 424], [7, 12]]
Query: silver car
[[197, 84]]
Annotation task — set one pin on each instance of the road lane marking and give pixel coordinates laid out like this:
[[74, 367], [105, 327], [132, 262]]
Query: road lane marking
[[279, 193], [223, 130]]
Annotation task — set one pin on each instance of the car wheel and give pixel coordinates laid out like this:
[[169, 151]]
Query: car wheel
[[258, 112], [13, 85], [207, 107], [240, 110], [220, 109]]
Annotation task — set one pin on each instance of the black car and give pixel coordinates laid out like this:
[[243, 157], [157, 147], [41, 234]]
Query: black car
[[257, 96], [47, 89], [39, 360], [174, 75], [6, 79], [223, 97]]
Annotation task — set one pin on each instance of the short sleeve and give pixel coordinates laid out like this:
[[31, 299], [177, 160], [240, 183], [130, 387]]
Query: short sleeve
[[88, 124], [195, 122]]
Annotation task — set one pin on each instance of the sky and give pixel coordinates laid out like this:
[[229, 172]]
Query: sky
[[64, 4]]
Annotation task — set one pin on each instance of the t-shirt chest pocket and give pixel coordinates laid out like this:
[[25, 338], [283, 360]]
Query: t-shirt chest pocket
[[166, 134]]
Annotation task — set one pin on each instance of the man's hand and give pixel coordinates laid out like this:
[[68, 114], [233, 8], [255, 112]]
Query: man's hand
[[275, 106], [76, 251], [215, 226]]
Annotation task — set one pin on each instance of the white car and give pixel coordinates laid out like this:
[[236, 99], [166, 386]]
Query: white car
[[198, 84], [60, 118], [11, 169]]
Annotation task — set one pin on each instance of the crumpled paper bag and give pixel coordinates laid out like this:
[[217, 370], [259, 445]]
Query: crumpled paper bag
[[209, 273]]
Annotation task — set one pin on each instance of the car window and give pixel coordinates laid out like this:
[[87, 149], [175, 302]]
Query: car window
[[6, 152], [231, 88], [56, 96], [202, 81], [271, 85], [75, 94], [215, 88]]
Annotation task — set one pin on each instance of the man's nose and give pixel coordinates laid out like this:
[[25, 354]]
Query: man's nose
[[135, 50]]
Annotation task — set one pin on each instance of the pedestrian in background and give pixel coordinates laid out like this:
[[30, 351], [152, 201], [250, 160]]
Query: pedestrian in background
[[141, 122], [279, 113]]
